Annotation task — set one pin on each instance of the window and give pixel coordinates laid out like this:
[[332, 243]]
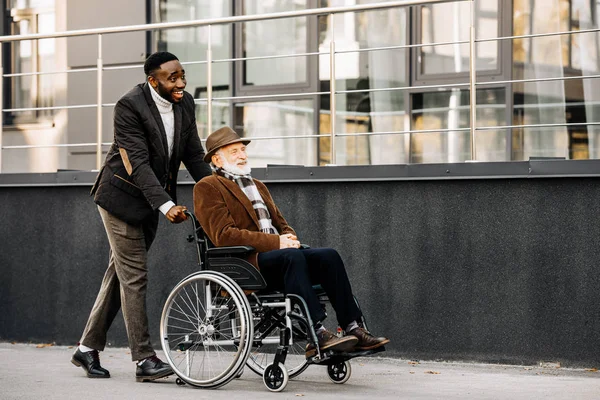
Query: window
[[566, 105], [30, 56], [276, 37], [450, 22], [190, 45]]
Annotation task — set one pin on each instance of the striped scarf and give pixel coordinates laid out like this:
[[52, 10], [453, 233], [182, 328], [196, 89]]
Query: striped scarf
[[249, 188]]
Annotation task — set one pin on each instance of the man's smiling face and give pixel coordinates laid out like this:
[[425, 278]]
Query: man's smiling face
[[169, 81]]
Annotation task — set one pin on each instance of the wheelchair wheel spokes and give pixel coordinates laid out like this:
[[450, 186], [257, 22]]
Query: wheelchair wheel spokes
[[267, 341], [206, 329]]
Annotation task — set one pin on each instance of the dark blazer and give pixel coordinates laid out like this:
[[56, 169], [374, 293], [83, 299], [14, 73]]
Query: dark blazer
[[137, 176], [228, 218]]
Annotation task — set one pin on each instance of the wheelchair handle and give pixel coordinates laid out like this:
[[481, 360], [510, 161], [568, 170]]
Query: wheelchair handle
[[194, 236]]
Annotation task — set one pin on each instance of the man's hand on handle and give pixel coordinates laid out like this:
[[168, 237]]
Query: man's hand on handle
[[288, 241], [176, 214]]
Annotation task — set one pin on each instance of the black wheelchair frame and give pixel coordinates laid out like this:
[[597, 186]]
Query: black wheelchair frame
[[214, 317]]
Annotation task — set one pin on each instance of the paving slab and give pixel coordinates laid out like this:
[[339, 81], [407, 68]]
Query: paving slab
[[44, 372]]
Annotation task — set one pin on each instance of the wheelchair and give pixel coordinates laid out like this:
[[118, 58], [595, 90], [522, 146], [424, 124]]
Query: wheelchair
[[219, 319]]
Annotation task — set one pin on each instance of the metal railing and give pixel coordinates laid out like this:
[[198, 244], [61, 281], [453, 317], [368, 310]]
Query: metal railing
[[332, 92], [209, 60]]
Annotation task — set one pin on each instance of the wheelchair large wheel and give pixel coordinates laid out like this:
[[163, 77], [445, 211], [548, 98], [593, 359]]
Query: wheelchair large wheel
[[206, 329], [267, 329]]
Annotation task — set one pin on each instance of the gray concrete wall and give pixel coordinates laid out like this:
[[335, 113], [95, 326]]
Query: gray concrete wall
[[501, 270]]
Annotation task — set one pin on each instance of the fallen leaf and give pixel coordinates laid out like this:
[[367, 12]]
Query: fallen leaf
[[591, 370], [412, 372], [432, 372], [13, 342], [299, 395], [39, 346], [413, 362], [70, 347]]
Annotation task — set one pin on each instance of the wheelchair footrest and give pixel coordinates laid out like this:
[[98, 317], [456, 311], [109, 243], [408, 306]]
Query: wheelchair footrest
[[333, 357]]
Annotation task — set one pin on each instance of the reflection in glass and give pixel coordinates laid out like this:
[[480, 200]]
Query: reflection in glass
[[365, 111], [274, 37], [191, 44], [556, 102], [28, 56], [276, 119], [449, 22], [450, 110]]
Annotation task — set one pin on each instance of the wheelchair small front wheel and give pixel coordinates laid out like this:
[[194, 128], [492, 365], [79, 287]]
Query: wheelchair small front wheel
[[339, 373], [276, 377]]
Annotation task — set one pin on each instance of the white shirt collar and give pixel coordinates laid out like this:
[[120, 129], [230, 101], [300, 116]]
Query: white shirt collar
[[164, 106]]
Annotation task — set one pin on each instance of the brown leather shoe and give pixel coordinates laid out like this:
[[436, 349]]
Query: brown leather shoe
[[366, 341], [329, 341]]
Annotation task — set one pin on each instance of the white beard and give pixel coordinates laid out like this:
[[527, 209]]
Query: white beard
[[236, 169]]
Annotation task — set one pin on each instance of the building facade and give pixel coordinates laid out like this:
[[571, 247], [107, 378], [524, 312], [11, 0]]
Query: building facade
[[401, 79]]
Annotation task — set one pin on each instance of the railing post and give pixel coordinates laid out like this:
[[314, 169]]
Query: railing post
[[209, 83], [1, 101], [99, 106], [332, 89], [472, 78]]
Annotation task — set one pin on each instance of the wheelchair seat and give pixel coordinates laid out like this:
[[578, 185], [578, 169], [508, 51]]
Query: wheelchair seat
[[227, 261]]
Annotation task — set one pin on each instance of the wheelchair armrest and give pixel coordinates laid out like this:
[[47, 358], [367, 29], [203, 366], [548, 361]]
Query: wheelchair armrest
[[230, 251]]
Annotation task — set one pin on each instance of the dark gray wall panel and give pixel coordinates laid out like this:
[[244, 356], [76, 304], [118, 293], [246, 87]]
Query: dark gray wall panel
[[498, 270]]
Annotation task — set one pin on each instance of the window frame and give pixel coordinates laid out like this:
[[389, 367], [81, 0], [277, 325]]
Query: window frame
[[312, 62], [504, 55]]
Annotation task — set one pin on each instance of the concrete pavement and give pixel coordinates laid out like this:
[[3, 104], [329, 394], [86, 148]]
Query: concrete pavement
[[31, 372]]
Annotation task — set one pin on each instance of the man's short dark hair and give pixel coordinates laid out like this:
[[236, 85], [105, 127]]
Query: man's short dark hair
[[155, 60]]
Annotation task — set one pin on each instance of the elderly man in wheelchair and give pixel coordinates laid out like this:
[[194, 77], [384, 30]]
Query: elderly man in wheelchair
[[256, 248]]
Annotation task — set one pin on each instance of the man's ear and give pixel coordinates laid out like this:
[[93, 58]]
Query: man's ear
[[152, 81], [216, 160]]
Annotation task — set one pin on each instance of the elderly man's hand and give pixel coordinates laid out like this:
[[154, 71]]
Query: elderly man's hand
[[288, 241], [176, 214]]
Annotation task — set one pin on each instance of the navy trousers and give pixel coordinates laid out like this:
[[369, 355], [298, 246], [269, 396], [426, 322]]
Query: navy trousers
[[295, 271]]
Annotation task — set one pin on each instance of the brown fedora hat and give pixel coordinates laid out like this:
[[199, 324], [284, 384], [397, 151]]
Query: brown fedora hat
[[219, 138]]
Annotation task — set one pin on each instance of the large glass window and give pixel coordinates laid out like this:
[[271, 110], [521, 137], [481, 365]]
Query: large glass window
[[364, 106], [190, 46], [31, 56], [285, 36], [566, 105], [449, 22], [448, 110], [272, 123], [373, 103], [271, 38]]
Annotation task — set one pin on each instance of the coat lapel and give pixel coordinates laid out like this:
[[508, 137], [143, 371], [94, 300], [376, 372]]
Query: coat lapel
[[241, 196], [161, 128]]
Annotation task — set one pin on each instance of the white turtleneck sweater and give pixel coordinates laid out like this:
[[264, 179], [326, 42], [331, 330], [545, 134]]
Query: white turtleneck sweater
[[165, 108]]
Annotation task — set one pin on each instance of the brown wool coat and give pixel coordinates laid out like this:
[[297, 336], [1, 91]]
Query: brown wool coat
[[227, 216]]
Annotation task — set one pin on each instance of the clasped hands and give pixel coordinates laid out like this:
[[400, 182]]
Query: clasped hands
[[288, 241]]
